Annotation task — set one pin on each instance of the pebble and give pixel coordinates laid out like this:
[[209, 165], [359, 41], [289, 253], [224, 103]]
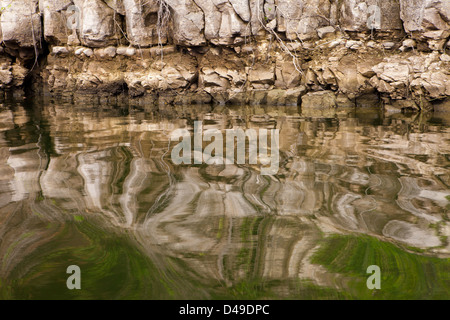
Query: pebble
[[445, 58], [388, 45], [88, 52], [60, 50]]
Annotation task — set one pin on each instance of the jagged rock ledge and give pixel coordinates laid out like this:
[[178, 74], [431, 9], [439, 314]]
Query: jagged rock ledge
[[316, 53]]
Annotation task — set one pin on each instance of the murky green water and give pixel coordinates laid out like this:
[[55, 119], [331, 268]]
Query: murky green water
[[96, 187]]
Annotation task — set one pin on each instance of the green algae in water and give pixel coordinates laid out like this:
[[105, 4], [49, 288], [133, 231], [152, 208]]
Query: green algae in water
[[112, 267], [104, 199], [404, 275]]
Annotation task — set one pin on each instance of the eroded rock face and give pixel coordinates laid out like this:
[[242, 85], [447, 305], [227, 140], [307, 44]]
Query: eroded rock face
[[220, 22], [428, 21], [362, 15], [233, 51], [301, 19], [188, 23], [423, 15], [142, 22], [98, 23], [20, 24], [12, 75], [55, 17]]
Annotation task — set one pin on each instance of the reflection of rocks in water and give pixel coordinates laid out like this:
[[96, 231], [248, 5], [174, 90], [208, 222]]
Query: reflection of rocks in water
[[409, 233], [226, 223]]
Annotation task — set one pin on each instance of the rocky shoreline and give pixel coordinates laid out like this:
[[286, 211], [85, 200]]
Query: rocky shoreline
[[319, 54]]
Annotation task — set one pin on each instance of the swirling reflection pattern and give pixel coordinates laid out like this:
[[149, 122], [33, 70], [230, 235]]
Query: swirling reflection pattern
[[71, 177]]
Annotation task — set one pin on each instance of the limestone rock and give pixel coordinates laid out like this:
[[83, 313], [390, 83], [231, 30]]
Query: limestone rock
[[210, 78], [325, 31], [409, 43], [319, 104], [175, 73], [262, 75], [291, 97], [349, 80], [294, 95], [97, 24], [141, 22], [88, 52], [389, 45], [60, 50], [319, 100], [20, 24], [436, 83], [301, 19], [188, 23], [445, 58], [354, 45], [126, 51], [287, 76], [55, 19], [19, 73], [392, 71], [422, 15], [222, 23], [6, 76], [116, 5], [364, 15], [256, 15], [109, 52], [242, 9]]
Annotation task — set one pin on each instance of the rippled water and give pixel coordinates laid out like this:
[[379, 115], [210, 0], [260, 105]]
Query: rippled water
[[96, 187]]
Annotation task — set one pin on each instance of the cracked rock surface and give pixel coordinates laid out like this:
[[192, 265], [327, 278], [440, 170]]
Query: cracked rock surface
[[230, 51]]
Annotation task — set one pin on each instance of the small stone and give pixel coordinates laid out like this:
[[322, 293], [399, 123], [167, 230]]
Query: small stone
[[371, 44], [156, 51], [158, 65], [110, 51], [293, 45], [121, 51], [388, 45], [391, 109], [88, 52], [272, 24], [238, 41], [445, 58], [276, 97], [130, 52], [72, 40], [60, 50], [323, 32], [436, 45], [335, 43], [216, 51], [247, 49], [353, 45], [409, 43], [79, 51], [436, 34], [126, 51]]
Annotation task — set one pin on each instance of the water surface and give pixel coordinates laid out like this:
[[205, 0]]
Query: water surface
[[95, 187]]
